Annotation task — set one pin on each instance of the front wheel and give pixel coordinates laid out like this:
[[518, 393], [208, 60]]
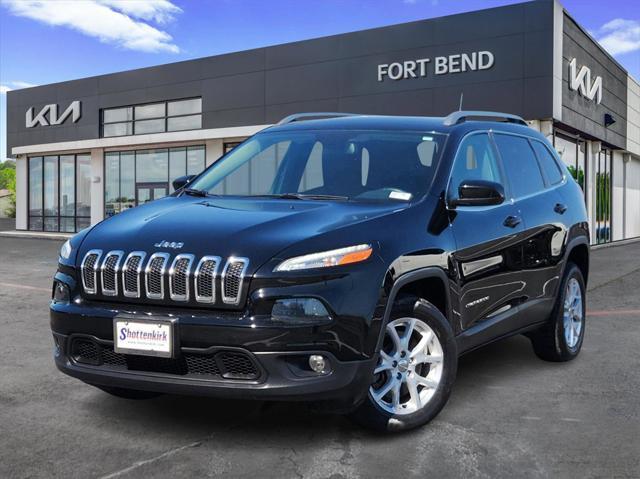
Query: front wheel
[[415, 371]]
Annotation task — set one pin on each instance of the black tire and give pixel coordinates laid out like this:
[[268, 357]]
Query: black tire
[[372, 416], [549, 342], [134, 394]]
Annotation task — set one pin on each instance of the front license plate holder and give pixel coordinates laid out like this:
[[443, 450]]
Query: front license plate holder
[[145, 336]]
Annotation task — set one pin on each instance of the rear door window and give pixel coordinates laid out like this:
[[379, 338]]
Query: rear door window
[[520, 164]]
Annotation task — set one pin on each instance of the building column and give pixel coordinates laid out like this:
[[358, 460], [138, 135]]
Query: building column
[[22, 192], [214, 150], [97, 185]]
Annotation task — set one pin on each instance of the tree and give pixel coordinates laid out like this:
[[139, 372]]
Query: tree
[[8, 182]]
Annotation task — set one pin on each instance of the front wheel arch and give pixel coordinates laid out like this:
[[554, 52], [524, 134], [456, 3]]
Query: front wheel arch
[[406, 283]]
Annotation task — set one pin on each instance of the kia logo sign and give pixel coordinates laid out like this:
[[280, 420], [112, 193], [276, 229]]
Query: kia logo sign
[[580, 81], [458, 63], [48, 115]]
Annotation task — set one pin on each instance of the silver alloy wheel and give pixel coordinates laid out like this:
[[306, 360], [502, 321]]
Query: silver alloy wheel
[[410, 367], [573, 313]]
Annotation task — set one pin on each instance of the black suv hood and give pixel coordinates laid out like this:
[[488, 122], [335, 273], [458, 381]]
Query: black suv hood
[[254, 228]]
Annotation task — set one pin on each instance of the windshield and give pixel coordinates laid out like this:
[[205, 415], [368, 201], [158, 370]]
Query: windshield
[[328, 164]]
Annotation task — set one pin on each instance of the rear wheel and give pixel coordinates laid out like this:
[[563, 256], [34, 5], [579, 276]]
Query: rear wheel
[[129, 393], [561, 339], [415, 371]]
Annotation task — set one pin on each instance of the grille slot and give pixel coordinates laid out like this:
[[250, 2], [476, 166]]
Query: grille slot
[[109, 272], [205, 279], [179, 277], [154, 275], [89, 269], [131, 274], [232, 278]]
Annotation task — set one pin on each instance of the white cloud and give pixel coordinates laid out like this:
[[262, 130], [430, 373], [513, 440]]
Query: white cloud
[[160, 11], [15, 85], [620, 36], [119, 22]]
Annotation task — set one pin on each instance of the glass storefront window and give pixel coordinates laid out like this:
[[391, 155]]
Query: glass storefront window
[[191, 122], [157, 110], [177, 164], [51, 193], [59, 193], [83, 187], [127, 180], [603, 196], [136, 177], [35, 193], [67, 193], [174, 115], [111, 184], [195, 160], [572, 151], [117, 129], [185, 107], [118, 114], [152, 166]]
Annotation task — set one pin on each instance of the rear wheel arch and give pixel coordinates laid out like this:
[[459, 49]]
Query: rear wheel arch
[[578, 254]]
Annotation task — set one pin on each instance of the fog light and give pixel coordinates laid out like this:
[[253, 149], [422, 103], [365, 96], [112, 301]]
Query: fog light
[[318, 364], [60, 292], [299, 311]]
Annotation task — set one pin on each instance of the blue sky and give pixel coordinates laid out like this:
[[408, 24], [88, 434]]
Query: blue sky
[[45, 41]]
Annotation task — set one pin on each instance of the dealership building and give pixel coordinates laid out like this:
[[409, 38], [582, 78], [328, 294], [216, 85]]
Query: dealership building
[[86, 149]]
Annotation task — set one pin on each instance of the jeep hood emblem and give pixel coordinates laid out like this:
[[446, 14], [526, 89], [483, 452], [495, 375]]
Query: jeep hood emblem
[[169, 244]]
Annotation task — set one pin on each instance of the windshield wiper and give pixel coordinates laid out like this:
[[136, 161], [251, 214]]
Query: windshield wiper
[[193, 192], [302, 196]]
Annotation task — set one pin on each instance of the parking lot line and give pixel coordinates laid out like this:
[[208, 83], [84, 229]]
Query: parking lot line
[[615, 312], [150, 461]]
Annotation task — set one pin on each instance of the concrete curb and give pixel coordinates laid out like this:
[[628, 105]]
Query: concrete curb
[[35, 235], [613, 244]]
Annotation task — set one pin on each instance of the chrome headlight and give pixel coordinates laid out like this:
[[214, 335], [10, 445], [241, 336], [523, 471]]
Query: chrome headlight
[[335, 257], [65, 251]]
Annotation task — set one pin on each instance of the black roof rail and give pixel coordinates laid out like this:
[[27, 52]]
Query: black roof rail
[[462, 116], [321, 114]]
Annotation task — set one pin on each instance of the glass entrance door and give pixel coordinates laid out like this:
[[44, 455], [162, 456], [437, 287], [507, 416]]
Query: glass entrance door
[[146, 192]]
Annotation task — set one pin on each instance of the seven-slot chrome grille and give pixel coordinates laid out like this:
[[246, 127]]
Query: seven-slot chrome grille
[[182, 278]]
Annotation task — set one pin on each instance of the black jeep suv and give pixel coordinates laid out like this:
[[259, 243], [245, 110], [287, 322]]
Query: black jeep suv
[[344, 259]]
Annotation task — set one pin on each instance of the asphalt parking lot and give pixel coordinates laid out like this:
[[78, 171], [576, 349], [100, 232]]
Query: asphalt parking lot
[[510, 415]]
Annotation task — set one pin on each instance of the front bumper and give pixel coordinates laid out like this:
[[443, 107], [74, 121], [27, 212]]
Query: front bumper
[[277, 354]]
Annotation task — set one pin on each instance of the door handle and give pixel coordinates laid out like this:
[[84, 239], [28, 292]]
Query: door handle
[[560, 208], [512, 221]]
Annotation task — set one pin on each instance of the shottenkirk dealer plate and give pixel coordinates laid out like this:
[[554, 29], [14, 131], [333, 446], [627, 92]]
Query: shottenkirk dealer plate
[[147, 337]]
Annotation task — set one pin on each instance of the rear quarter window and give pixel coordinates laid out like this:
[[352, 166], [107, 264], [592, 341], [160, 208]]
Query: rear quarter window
[[520, 164], [547, 162]]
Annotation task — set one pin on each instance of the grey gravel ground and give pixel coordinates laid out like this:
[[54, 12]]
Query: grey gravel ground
[[510, 415]]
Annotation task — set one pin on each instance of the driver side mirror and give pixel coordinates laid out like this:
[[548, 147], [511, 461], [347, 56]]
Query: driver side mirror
[[182, 181], [478, 193]]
